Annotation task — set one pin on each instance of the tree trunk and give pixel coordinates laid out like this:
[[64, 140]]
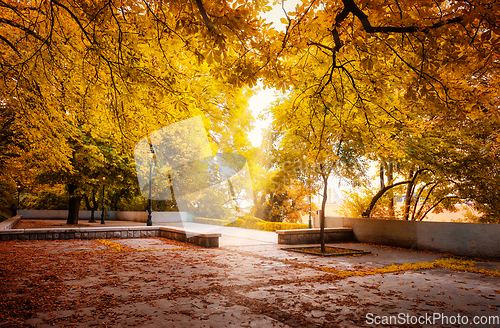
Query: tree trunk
[[390, 170], [322, 215], [366, 214], [173, 205], [74, 205], [408, 196], [92, 206], [382, 183]]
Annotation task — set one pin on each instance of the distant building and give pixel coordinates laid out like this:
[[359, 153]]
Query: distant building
[[334, 192]]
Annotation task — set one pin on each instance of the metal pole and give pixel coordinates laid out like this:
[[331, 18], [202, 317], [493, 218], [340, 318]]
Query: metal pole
[[150, 208], [102, 213], [310, 224], [18, 188]]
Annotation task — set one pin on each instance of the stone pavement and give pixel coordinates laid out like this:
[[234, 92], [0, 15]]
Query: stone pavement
[[230, 236], [249, 282]]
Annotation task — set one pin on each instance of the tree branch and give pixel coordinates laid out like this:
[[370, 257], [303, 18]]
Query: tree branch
[[425, 201], [22, 28], [10, 45], [366, 214], [430, 209], [203, 13], [57, 3], [350, 6]]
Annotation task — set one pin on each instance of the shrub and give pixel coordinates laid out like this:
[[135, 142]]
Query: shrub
[[273, 226], [251, 222], [248, 222], [216, 222]]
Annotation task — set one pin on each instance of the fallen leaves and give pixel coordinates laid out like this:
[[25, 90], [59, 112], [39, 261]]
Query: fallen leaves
[[105, 282]]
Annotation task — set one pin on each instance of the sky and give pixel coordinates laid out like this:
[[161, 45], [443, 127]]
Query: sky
[[264, 97], [261, 100]]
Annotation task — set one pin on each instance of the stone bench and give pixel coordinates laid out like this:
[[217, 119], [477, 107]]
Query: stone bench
[[311, 236], [183, 235]]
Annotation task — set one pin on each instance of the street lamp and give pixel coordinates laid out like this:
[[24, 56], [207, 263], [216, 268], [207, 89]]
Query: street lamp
[[103, 185], [152, 155], [310, 223], [18, 187]]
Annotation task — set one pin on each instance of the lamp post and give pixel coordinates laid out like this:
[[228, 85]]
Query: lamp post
[[310, 223], [152, 155], [18, 187], [103, 186]]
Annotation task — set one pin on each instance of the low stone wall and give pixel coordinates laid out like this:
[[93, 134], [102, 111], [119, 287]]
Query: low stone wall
[[10, 222], [462, 239], [205, 239], [312, 236]]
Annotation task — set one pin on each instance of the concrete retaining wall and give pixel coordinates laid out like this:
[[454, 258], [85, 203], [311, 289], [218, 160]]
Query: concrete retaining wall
[[111, 215], [462, 239], [62, 214], [205, 239], [311, 236]]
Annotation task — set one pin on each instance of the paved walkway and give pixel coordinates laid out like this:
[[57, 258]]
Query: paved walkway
[[249, 282], [231, 236]]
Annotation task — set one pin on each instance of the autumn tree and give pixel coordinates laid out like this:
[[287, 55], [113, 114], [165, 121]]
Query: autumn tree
[[396, 58], [460, 156], [400, 63], [449, 163], [323, 133], [393, 69], [122, 69], [283, 186]]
